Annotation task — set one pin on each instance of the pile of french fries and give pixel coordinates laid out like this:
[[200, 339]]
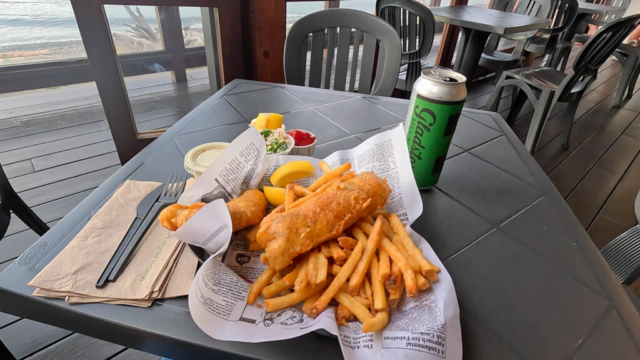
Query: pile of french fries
[[366, 270]]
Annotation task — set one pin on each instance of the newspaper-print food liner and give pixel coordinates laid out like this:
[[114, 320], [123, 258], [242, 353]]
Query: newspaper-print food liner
[[426, 326]]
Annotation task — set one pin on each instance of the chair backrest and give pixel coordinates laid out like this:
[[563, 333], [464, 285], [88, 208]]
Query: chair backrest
[[623, 4], [596, 51], [562, 14], [414, 24], [536, 8], [376, 37], [416, 27]]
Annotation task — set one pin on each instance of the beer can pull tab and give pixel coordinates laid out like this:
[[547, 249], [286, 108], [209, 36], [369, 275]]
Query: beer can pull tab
[[444, 77]]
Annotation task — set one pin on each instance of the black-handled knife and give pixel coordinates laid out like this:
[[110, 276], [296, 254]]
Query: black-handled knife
[[143, 209], [135, 240]]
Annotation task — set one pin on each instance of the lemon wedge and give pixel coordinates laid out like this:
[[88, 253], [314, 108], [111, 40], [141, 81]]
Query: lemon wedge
[[260, 122], [274, 121], [290, 172], [274, 195]]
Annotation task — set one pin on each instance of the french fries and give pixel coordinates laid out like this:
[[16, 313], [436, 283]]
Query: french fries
[[324, 166], [335, 269], [336, 251], [428, 270], [301, 281], [329, 176], [301, 191], [385, 265], [323, 188], [359, 310], [323, 267], [347, 242], [289, 197], [395, 293], [395, 277], [407, 272], [377, 323], [283, 302], [377, 286], [338, 281], [261, 282], [281, 285], [369, 293], [312, 268], [251, 237], [343, 315], [326, 250], [306, 307], [366, 274], [369, 253]]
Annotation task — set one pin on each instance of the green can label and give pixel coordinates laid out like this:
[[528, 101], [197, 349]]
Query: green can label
[[433, 123]]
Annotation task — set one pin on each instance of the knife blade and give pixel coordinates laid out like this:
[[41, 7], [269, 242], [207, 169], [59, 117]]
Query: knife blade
[[143, 209]]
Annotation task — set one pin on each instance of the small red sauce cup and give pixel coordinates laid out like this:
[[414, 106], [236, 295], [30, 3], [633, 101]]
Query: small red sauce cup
[[305, 142]]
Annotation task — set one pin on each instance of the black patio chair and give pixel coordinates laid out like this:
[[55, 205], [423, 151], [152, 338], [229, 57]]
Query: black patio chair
[[545, 86], [623, 253], [597, 20], [375, 36], [562, 14], [415, 26], [563, 51], [10, 201], [499, 61]]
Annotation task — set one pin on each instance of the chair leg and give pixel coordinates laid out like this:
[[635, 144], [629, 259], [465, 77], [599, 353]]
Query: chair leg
[[494, 100], [565, 62], [540, 115], [625, 80], [634, 80], [27, 215], [499, 72], [519, 100], [570, 114]]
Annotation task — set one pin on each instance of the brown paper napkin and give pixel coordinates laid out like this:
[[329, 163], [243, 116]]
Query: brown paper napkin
[[159, 257]]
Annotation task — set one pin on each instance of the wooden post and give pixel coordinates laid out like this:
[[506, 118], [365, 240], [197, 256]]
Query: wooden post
[[211, 48], [268, 34], [449, 40], [173, 40]]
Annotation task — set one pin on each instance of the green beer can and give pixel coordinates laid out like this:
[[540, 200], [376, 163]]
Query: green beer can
[[436, 103]]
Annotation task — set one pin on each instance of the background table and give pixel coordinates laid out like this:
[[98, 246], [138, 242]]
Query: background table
[[586, 10], [476, 24], [530, 283]]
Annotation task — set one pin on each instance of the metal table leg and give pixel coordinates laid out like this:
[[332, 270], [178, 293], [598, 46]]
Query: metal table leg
[[470, 50]]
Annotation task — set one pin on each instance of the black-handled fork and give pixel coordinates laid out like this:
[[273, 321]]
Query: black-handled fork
[[170, 194]]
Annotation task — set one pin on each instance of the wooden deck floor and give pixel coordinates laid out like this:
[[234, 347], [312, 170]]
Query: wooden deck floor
[[56, 147]]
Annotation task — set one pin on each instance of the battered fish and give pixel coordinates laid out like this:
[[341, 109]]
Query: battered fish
[[324, 217], [247, 209]]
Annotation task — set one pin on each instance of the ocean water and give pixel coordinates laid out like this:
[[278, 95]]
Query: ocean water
[[26, 24], [38, 24]]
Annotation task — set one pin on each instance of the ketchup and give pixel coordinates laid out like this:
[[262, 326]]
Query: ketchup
[[302, 138]]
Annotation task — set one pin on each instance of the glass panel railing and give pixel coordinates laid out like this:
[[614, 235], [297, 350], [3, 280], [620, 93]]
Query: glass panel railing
[[134, 28]]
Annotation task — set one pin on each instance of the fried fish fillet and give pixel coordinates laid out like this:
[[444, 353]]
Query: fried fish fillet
[[323, 217], [245, 210]]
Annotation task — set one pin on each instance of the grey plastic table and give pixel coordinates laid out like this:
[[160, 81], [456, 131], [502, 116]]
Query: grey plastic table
[[530, 283], [586, 10], [477, 24]]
